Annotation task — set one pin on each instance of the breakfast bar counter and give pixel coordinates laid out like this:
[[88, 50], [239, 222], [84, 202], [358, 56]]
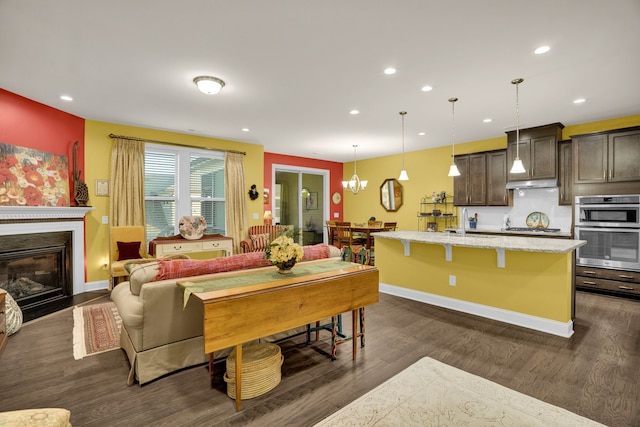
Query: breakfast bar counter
[[526, 281]]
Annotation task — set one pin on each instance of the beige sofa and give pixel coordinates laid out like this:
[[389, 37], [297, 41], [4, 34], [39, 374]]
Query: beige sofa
[[158, 335]]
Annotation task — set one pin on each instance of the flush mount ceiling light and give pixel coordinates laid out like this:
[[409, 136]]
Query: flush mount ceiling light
[[355, 184], [453, 169], [517, 167], [403, 172], [209, 85]]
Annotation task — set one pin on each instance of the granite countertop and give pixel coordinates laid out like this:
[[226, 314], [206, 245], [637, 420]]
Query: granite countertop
[[564, 234], [484, 241]]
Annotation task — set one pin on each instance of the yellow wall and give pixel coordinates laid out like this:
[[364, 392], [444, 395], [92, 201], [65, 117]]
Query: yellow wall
[[97, 165], [537, 284], [428, 171]]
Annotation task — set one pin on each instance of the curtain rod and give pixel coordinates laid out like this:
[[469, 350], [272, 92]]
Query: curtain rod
[[132, 138]]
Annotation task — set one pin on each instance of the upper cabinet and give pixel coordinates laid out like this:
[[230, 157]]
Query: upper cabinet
[[469, 189], [565, 174], [482, 180], [607, 157], [538, 152]]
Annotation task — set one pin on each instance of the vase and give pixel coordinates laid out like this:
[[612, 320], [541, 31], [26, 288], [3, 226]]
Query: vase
[[285, 267]]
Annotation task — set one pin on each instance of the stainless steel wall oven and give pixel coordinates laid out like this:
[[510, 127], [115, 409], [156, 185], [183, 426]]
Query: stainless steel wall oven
[[611, 227]]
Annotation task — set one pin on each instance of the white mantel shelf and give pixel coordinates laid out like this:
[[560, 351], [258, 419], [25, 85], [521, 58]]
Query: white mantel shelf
[[43, 212], [499, 243]]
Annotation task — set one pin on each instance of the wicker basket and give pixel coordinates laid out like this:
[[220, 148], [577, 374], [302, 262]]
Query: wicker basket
[[260, 370]]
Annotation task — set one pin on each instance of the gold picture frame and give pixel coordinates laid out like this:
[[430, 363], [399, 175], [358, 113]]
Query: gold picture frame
[[102, 187]]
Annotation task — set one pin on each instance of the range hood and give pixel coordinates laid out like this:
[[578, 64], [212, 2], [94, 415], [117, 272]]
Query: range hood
[[536, 183]]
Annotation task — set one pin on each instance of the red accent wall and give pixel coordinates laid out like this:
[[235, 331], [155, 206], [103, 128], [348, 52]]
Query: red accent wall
[[334, 168], [30, 124]]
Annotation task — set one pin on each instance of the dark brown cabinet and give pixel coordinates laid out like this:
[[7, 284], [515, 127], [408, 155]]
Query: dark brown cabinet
[[469, 189], [497, 193], [608, 281], [482, 180], [538, 149], [607, 157], [565, 173]]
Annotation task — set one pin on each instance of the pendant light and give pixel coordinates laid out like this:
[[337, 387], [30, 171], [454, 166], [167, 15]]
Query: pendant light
[[517, 167], [355, 184], [403, 172], [453, 169]]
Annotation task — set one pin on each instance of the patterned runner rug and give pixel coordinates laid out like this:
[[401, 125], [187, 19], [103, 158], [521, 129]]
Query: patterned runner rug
[[96, 329], [431, 393]]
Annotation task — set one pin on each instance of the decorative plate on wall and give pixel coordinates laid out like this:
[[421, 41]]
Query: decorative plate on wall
[[537, 220], [336, 198]]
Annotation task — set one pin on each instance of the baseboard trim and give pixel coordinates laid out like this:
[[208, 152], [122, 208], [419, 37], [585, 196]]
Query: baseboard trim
[[94, 286], [553, 327]]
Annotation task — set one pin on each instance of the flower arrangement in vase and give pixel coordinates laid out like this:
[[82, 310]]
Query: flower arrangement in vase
[[283, 252]]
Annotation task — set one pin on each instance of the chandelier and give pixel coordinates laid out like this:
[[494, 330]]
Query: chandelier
[[453, 169], [355, 184], [517, 167]]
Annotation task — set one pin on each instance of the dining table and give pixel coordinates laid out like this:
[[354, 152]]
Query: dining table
[[367, 230]]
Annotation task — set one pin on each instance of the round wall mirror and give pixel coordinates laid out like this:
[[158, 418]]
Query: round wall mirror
[[391, 195]]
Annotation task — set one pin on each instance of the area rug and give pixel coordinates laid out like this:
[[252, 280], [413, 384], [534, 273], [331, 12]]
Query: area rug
[[431, 393], [96, 329]]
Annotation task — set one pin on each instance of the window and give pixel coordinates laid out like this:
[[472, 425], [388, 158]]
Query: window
[[171, 194]]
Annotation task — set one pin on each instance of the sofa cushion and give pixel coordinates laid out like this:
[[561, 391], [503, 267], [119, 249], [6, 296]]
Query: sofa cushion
[[141, 274], [260, 241], [128, 250], [173, 269]]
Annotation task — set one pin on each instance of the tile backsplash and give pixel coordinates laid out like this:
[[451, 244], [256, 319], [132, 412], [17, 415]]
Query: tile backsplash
[[525, 201]]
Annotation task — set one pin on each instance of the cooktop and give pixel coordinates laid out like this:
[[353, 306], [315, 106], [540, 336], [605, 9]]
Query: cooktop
[[536, 230]]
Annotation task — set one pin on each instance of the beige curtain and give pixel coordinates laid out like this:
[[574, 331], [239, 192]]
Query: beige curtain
[[235, 200], [126, 204]]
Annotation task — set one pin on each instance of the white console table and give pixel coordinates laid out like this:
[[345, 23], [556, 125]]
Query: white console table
[[198, 249]]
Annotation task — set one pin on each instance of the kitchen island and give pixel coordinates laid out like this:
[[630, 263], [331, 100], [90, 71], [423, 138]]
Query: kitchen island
[[526, 281]]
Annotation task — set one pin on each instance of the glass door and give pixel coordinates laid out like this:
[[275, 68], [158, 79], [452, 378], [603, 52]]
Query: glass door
[[300, 201]]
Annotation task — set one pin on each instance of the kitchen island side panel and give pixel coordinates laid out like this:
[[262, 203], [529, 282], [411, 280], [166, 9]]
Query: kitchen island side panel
[[531, 283]]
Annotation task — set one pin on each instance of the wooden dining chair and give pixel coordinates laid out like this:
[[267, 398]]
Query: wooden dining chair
[[375, 224], [331, 231], [343, 235], [389, 226]]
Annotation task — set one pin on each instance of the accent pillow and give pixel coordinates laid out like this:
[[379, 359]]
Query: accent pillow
[[260, 241], [128, 250], [141, 274]]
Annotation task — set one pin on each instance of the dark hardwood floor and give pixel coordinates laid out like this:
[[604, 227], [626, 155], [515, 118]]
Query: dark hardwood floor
[[595, 373]]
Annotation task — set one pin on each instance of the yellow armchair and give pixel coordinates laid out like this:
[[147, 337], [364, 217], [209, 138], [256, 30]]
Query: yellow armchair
[[128, 244]]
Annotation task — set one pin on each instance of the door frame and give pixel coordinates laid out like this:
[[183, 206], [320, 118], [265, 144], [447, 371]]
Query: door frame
[[325, 190]]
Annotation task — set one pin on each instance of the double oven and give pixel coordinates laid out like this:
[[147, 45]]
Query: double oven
[[611, 227]]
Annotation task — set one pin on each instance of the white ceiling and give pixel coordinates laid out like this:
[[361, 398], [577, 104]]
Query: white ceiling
[[294, 68]]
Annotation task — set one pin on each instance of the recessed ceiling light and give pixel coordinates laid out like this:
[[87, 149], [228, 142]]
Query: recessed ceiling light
[[245, 129], [66, 98], [422, 133], [579, 101], [487, 120], [389, 70], [354, 112], [541, 50], [427, 88]]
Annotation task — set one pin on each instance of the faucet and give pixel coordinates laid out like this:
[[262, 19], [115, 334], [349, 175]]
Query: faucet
[[465, 217]]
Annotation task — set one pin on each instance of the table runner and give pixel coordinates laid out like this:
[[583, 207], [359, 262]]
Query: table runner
[[263, 276]]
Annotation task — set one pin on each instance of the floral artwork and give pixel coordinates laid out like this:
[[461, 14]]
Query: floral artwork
[[31, 177], [192, 227]]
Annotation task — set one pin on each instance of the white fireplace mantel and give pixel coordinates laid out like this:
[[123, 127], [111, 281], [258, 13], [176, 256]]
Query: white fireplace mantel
[[38, 219], [43, 212]]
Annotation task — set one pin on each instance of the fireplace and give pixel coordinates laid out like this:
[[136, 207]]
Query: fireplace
[[42, 256], [35, 268]]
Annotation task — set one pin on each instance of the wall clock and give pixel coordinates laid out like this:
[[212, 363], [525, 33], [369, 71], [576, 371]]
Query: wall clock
[[336, 197]]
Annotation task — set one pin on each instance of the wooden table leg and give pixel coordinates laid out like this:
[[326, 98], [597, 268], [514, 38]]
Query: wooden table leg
[[354, 332], [238, 376], [211, 368]]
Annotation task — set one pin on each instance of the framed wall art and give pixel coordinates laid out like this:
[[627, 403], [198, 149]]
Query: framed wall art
[[102, 187]]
